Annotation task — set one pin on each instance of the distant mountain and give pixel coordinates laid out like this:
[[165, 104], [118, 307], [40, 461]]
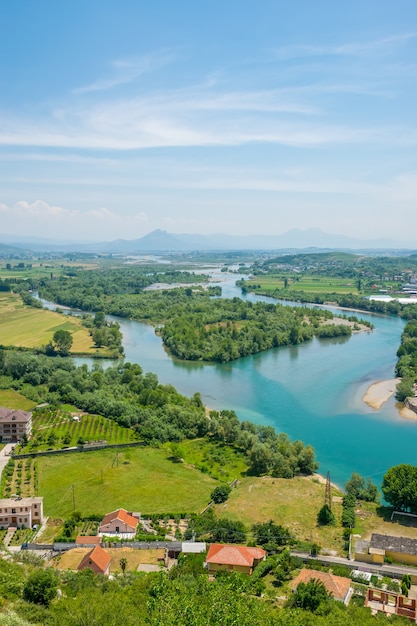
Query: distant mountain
[[162, 241]]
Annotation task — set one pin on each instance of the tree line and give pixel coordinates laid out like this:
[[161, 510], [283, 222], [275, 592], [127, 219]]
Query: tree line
[[158, 413]]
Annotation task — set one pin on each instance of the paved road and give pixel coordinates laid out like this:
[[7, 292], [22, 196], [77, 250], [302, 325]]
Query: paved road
[[5, 455], [393, 571]]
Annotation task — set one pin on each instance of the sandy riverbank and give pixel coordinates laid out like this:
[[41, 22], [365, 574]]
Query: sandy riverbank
[[378, 393]]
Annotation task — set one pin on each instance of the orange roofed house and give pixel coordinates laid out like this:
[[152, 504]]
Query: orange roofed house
[[338, 586], [98, 560], [120, 523], [233, 558]]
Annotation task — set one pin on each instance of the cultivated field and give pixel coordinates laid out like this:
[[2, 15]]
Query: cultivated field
[[25, 326], [138, 479], [68, 426], [313, 284], [42, 270]]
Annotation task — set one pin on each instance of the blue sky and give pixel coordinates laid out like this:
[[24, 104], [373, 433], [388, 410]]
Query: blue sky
[[241, 117]]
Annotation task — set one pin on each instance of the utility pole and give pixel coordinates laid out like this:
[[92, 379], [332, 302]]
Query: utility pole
[[328, 493]]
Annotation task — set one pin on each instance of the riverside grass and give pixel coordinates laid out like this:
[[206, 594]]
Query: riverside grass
[[23, 326], [137, 479]]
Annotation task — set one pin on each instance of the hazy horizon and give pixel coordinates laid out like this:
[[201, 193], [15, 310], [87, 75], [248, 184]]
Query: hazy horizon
[[117, 119]]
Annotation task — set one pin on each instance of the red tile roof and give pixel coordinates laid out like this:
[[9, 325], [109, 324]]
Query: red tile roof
[[96, 557], [122, 515], [87, 539], [234, 555], [338, 586]]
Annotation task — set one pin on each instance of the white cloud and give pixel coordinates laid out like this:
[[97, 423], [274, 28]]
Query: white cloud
[[41, 219], [128, 70]]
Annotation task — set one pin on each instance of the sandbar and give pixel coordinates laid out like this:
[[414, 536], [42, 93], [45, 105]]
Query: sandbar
[[378, 393]]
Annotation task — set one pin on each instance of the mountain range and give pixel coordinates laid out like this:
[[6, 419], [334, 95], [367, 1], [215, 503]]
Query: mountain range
[[162, 241]]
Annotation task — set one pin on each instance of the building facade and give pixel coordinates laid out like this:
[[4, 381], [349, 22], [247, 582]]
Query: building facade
[[21, 512], [14, 425]]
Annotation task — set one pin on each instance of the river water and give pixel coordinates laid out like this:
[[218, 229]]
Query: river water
[[312, 391]]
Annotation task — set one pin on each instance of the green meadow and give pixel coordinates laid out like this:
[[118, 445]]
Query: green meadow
[[138, 479], [14, 400]]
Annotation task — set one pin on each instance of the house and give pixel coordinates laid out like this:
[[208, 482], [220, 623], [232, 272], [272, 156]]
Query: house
[[120, 523], [233, 558], [87, 540], [14, 425], [21, 512], [337, 586], [399, 549], [97, 560]]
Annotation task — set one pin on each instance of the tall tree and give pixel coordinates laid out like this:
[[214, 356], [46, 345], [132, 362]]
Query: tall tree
[[399, 487], [62, 341]]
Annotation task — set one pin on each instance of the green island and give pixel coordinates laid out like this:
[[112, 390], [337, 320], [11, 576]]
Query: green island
[[100, 436]]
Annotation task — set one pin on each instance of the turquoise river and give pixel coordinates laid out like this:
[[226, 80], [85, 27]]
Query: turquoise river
[[313, 391]]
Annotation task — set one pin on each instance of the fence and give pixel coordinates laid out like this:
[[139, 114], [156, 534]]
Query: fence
[[28, 455]]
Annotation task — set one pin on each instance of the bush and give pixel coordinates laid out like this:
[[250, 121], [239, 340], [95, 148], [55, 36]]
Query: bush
[[220, 494], [41, 587], [326, 516]]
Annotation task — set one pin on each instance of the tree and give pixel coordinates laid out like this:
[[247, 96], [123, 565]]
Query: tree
[[123, 564], [62, 341], [41, 587], [220, 494], [326, 516], [399, 487], [361, 489], [271, 535], [405, 584], [309, 595]]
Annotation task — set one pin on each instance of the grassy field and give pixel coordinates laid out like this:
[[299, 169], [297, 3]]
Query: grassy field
[[138, 479], [43, 270], [222, 462], [72, 558], [313, 284], [292, 503], [25, 326], [14, 400]]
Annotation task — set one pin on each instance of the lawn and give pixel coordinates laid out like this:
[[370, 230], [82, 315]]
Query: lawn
[[72, 558], [28, 327], [292, 503], [14, 400], [137, 479]]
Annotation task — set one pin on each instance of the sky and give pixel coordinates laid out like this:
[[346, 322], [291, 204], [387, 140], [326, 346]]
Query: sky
[[232, 116]]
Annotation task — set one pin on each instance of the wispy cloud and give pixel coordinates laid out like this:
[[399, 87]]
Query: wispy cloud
[[351, 49], [125, 71], [189, 117]]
